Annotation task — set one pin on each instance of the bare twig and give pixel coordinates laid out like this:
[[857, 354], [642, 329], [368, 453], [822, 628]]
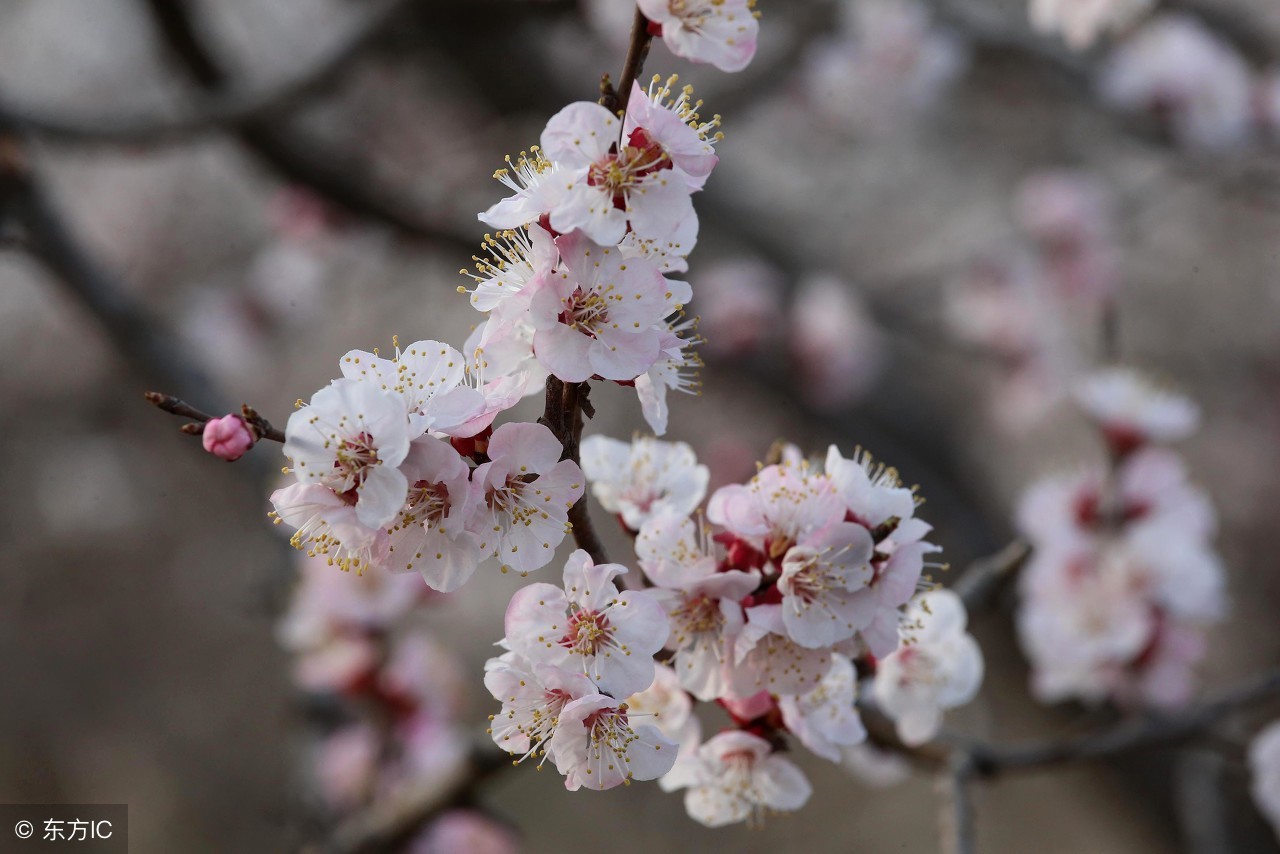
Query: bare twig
[[143, 342], [1198, 790], [1124, 737], [297, 160], [985, 576], [957, 817], [261, 427], [240, 107]]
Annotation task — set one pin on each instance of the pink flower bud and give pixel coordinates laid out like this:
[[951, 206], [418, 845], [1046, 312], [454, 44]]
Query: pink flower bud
[[228, 437]]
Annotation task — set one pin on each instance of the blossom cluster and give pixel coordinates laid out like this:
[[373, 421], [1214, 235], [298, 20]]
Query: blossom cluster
[[770, 604], [1014, 301], [398, 694], [886, 64], [1123, 580], [1195, 82]]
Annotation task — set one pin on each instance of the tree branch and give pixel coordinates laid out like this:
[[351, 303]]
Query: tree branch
[[296, 160], [232, 108], [986, 576], [957, 817], [261, 427]]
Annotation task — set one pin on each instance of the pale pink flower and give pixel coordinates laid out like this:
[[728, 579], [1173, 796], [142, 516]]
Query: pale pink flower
[[428, 376], [598, 747], [834, 343], [701, 602], [666, 706], [227, 438], [887, 65], [739, 302], [826, 719], [522, 496], [327, 601], [939, 666], [766, 659], [674, 125], [641, 479], [589, 626], [600, 315], [464, 832], [326, 524], [346, 765], [536, 183], [821, 577], [611, 184], [738, 777], [351, 439], [532, 697], [1133, 411], [873, 493], [1179, 70], [519, 262], [676, 369], [780, 506], [430, 533], [720, 32], [1081, 21], [1068, 215]]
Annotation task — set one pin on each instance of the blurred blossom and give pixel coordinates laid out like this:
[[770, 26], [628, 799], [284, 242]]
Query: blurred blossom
[[464, 832], [1068, 216], [1179, 71], [887, 65], [996, 303], [834, 343], [1081, 21], [345, 765], [879, 769], [1264, 767], [738, 303], [1123, 581], [1133, 411]]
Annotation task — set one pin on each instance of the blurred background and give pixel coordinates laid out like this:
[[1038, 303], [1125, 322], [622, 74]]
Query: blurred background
[[220, 199]]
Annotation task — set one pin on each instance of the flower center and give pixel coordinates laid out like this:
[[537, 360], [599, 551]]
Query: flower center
[[355, 456], [588, 632]]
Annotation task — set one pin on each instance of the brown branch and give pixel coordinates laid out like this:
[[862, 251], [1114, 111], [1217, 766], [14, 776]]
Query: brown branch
[[233, 108], [985, 577], [294, 158], [958, 815], [261, 427], [1124, 737]]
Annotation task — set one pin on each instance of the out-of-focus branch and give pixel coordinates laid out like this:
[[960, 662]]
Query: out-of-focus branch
[[983, 578], [1124, 737], [1201, 811], [392, 820], [261, 427], [139, 338], [241, 106], [957, 817], [297, 160]]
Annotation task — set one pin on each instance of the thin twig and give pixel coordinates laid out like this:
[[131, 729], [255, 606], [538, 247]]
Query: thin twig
[[294, 158], [957, 817], [1123, 737], [985, 577], [237, 107], [262, 428]]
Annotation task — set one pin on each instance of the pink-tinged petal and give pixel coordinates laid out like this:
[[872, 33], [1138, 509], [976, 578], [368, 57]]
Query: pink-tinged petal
[[591, 210], [587, 585], [535, 623], [624, 357], [450, 410], [381, 496], [735, 507], [660, 207], [898, 582], [525, 447], [658, 11], [560, 488], [445, 562], [781, 784], [564, 352], [580, 134]]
